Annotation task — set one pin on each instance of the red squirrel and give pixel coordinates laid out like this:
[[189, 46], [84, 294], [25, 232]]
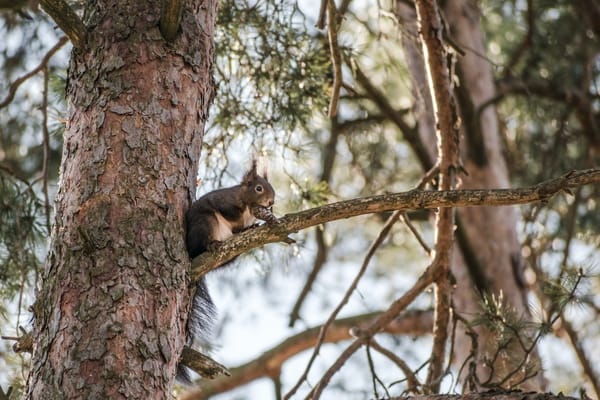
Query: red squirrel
[[211, 219]]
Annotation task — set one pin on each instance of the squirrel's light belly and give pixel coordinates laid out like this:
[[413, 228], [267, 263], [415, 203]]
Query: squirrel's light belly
[[247, 218], [223, 230]]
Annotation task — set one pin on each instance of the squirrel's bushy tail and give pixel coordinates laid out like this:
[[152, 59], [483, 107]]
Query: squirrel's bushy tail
[[198, 326]]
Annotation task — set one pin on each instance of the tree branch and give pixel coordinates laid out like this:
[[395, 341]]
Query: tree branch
[[329, 155], [43, 64], [411, 200], [170, 18], [447, 122], [525, 44], [413, 322], [336, 58], [67, 20], [431, 274], [374, 246], [396, 116]]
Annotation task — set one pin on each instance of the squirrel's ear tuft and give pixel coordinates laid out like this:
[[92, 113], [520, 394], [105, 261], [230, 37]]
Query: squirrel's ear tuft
[[251, 175], [262, 166]]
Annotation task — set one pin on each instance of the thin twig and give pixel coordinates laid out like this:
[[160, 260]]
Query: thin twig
[[46, 146], [336, 58], [431, 274], [429, 176], [411, 379], [584, 360], [415, 233], [525, 43], [15, 85], [318, 263], [374, 246], [397, 117], [329, 155], [375, 380]]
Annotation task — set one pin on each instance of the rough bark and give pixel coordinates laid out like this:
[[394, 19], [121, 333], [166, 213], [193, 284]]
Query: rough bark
[[110, 315], [494, 266]]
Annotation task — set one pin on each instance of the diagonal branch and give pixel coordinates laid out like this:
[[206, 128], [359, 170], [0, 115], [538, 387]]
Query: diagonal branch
[[411, 200], [431, 274], [413, 322], [43, 65], [374, 246], [396, 116], [67, 20]]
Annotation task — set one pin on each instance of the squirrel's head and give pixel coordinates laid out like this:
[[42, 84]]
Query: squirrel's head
[[257, 191]]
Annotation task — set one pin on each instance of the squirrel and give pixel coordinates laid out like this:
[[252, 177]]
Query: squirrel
[[211, 219]]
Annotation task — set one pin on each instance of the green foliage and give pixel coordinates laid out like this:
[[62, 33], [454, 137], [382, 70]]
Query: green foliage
[[555, 67], [515, 336], [21, 230], [269, 70], [24, 209]]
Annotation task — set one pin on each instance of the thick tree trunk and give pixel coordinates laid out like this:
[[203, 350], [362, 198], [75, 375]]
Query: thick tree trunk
[[110, 316], [487, 256]]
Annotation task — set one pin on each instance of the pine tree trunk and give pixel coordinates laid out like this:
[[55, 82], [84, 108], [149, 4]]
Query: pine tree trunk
[[110, 315], [487, 251]]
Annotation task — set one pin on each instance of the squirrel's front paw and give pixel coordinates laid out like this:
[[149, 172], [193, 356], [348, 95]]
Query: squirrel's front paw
[[214, 245]]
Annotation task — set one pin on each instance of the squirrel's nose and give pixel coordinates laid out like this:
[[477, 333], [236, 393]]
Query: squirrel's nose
[[270, 203]]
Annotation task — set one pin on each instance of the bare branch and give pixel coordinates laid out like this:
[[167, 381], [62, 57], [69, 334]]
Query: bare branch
[[415, 233], [411, 378], [584, 359], [318, 263], [336, 58], [525, 43], [43, 64], [414, 322], [431, 274], [374, 246], [46, 145], [67, 20], [446, 119], [410, 132], [411, 200], [329, 155]]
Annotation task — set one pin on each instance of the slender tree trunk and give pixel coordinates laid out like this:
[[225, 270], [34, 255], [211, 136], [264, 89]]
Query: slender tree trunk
[[110, 315], [487, 257]]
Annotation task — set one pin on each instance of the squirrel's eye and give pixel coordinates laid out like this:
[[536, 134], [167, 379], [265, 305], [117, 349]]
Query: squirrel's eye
[[258, 188]]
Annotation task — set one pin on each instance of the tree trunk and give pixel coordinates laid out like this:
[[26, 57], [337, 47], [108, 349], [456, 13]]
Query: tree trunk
[[111, 313], [487, 255]]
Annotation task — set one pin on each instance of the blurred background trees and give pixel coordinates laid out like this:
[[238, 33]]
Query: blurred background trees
[[526, 76]]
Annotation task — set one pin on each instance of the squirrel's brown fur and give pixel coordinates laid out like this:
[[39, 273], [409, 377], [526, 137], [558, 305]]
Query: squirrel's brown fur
[[211, 219]]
